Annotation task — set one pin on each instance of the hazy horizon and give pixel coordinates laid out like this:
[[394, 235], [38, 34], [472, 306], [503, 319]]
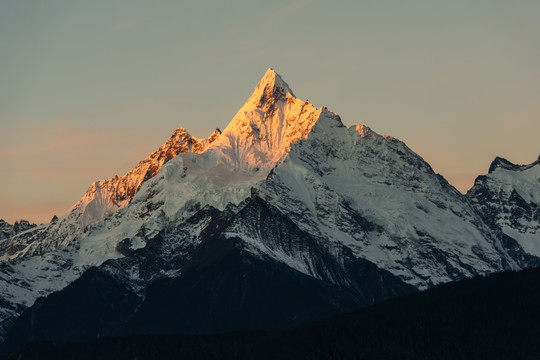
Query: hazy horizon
[[90, 89]]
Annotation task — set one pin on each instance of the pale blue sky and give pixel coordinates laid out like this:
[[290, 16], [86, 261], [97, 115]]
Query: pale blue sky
[[89, 88]]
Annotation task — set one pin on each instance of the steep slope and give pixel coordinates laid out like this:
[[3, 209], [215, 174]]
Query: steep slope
[[352, 186], [263, 129], [508, 198]]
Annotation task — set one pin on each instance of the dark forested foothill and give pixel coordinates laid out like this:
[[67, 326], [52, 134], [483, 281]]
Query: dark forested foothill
[[495, 317]]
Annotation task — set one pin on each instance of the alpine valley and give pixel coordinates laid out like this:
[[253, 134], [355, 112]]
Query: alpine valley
[[284, 217]]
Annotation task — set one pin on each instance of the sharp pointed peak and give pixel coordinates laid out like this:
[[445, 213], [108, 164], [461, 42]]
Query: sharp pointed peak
[[271, 74], [271, 86], [273, 78]]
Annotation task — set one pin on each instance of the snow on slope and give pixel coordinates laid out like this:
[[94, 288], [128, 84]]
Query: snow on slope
[[403, 217], [508, 197], [263, 129]]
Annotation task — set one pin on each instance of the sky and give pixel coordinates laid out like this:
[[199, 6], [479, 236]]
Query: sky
[[87, 89]]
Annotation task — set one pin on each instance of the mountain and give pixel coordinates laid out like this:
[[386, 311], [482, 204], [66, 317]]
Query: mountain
[[508, 199], [494, 317], [285, 202]]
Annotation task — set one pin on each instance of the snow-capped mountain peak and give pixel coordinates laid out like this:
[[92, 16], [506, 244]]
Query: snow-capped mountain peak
[[289, 183], [261, 132]]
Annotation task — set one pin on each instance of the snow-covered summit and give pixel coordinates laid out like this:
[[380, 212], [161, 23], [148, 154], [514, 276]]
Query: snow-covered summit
[[262, 130]]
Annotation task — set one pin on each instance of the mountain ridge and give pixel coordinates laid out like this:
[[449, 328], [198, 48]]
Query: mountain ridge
[[106, 196], [8, 230]]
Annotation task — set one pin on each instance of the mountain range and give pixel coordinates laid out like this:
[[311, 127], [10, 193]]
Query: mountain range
[[284, 217]]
